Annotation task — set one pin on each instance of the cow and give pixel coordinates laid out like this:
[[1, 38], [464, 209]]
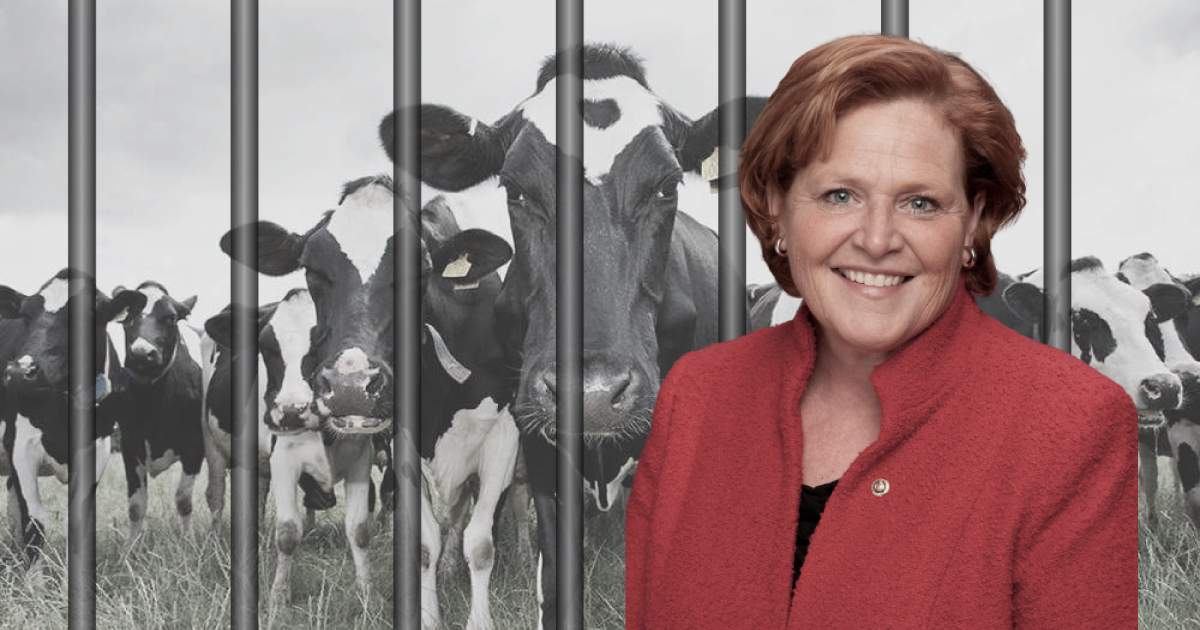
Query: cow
[[995, 306], [467, 427], [35, 395], [162, 424], [769, 306], [1180, 437], [1109, 319], [650, 270]]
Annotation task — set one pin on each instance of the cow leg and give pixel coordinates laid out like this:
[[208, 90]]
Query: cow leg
[[452, 540], [498, 458], [358, 530], [15, 519], [431, 550], [1148, 478], [218, 467], [183, 501], [1185, 444], [26, 459], [541, 463], [517, 507], [285, 477], [103, 452]]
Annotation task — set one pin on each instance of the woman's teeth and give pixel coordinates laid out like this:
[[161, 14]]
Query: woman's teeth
[[871, 279]]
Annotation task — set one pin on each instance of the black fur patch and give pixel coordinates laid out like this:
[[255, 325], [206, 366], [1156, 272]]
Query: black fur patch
[[600, 61], [1154, 335], [1086, 263], [1188, 466], [601, 114], [1092, 334]]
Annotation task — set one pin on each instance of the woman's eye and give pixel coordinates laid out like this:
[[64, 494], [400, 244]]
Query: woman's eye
[[839, 196], [923, 204]]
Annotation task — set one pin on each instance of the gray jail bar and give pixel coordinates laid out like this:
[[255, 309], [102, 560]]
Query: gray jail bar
[[895, 17], [1056, 313], [81, 202], [731, 85], [243, 582], [406, 524], [569, 312]]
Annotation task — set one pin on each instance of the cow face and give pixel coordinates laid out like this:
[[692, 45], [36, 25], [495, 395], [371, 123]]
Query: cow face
[[1109, 320], [152, 336], [347, 259], [1167, 330], [637, 149], [40, 369]]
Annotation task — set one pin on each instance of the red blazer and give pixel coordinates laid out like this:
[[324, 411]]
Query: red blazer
[[1011, 502]]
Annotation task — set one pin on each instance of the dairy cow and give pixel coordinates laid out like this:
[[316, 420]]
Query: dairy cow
[[35, 394], [467, 428], [1109, 320], [1180, 437], [650, 270], [162, 424]]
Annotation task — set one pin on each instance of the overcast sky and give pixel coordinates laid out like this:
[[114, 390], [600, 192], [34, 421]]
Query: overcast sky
[[325, 81]]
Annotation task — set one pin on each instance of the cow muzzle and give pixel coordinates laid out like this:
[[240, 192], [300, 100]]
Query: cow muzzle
[[1158, 393], [354, 393], [292, 419], [23, 375]]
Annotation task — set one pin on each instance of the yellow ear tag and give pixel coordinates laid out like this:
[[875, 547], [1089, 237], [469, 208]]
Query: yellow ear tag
[[458, 268]]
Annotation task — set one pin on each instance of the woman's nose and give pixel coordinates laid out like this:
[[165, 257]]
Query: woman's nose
[[877, 235]]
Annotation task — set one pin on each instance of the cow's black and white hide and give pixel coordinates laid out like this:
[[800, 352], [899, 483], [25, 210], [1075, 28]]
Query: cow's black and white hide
[[1109, 320], [35, 394], [769, 306], [1179, 437], [163, 423], [650, 270], [467, 428], [994, 305]]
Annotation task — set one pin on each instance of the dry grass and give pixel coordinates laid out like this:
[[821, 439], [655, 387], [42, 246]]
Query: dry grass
[[1168, 588], [170, 583]]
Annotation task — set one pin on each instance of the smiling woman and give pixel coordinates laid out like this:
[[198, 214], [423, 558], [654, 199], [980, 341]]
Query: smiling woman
[[891, 456]]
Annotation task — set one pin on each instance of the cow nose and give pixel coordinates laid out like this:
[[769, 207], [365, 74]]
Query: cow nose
[[351, 392], [22, 371], [1159, 392], [147, 354], [612, 394], [292, 416]]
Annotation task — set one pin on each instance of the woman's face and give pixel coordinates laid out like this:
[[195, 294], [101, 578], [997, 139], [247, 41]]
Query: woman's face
[[876, 235]]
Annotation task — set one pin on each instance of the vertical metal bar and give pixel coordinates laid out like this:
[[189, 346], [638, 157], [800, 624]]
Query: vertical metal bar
[[731, 79], [81, 204], [244, 279], [406, 522], [569, 312], [895, 17], [1057, 121]]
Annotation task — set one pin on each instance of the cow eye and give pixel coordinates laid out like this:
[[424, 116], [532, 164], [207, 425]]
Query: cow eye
[[515, 195], [667, 190]]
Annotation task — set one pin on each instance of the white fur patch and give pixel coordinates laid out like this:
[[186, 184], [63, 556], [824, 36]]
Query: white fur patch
[[639, 109], [153, 295], [55, 294], [191, 340], [785, 309], [362, 225], [351, 361], [292, 322], [141, 346], [615, 486], [1142, 273]]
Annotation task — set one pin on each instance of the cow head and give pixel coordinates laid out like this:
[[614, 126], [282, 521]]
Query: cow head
[[347, 259], [1109, 321], [152, 339], [1169, 295], [40, 369], [637, 149]]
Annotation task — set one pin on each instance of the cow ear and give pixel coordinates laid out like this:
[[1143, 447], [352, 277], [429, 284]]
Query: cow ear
[[186, 307], [123, 305], [219, 327], [470, 255], [457, 151], [10, 302], [701, 138], [1167, 301], [1024, 300], [278, 249]]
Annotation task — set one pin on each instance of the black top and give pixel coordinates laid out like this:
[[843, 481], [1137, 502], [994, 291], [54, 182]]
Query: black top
[[812, 504]]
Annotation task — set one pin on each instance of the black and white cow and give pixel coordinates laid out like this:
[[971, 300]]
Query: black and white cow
[[769, 306], [1180, 437], [995, 305], [163, 422], [35, 396], [1109, 320], [650, 270], [467, 428]]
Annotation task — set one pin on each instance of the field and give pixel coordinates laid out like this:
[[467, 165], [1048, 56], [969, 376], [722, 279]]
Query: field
[[171, 583], [1168, 591]]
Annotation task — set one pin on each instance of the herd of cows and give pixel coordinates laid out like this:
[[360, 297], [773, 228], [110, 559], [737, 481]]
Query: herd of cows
[[487, 361]]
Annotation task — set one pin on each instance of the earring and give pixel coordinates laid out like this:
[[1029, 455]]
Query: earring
[[778, 249], [974, 258]]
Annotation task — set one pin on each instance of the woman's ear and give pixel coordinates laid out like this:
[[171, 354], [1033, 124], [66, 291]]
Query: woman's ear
[[976, 212]]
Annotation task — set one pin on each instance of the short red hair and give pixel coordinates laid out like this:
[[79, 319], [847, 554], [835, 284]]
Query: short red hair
[[834, 78]]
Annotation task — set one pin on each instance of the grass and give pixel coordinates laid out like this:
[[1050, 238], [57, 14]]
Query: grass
[[1168, 560], [169, 582]]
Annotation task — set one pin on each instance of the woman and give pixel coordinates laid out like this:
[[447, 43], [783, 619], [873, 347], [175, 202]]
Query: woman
[[982, 480]]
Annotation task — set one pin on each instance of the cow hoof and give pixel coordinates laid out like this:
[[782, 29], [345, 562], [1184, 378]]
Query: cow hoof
[[281, 597]]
